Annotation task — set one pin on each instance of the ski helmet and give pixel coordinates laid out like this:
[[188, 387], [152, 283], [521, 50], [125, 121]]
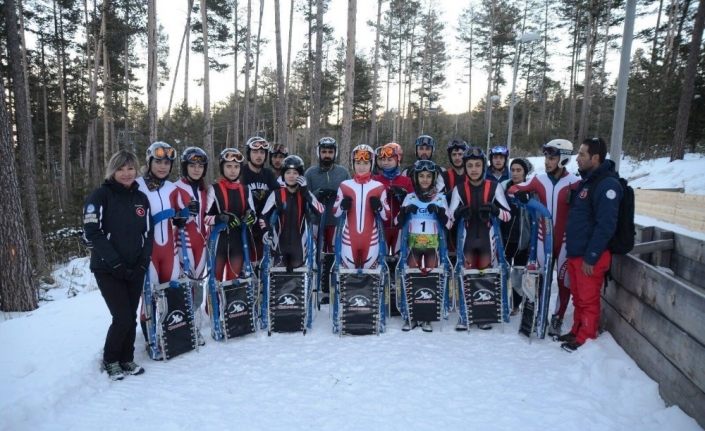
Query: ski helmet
[[425, 140], [456, 144], [362, 152], [229, 155], [390, 150], [193, 155], [499, 150], [420, 166], [559, 147], [275, 149], [327, 142], [524, 163], [293, 162], [160, 150], [475, 153], [255, 143]]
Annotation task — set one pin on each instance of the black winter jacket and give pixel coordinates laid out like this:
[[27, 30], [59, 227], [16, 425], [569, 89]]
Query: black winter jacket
[[117, 227]]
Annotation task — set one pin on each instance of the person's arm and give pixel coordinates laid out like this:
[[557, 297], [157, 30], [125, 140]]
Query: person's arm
[[94, 229], [606, 199], [146, 254], [504, 211], [529, 186]]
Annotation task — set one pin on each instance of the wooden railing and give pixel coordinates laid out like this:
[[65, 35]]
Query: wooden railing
[[679, 208]]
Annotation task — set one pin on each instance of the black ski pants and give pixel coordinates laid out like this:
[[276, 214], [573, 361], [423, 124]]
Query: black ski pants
[[516, 257], [122, 298]]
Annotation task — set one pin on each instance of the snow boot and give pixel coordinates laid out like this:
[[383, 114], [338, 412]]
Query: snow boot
[[570, 346], [406, 327], [114, 370], [131, 368], [484, 326], [426, 327], [460, 326], [554, 330], [568, 337]]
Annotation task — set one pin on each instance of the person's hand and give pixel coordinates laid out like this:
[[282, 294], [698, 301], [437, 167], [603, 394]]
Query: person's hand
[[410, 209], [432, 208], [248, 218], [462, 212], [398, 193], [262, 224], [587, 268], [376, 204], [522, 197], [488, 210], [179, 222], [193, 208], [230, 219], [138, 273], [301, 181], [120, 272], [346, 203]]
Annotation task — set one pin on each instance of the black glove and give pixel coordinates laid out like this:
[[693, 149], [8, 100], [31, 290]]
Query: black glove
[[248, 218], [398, 193], [326, 195], [120, 272], [346, 203], [230, 219], [179, 222], [462, 212], [410, 209], [376, 204], [522, 197], [432, 209], [488, 210], [194, 208]]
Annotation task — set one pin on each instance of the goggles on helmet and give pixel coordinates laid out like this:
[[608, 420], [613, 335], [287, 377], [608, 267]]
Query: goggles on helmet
[[501, 150], [551, 151], [231, 155], [425, 140], [474, 152], [386, 152], [362, 156], [196, 159], [258, 144], [424, 165], [164, 153]]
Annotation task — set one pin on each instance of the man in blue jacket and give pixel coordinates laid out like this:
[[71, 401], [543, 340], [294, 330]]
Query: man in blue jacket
[[592, 221]]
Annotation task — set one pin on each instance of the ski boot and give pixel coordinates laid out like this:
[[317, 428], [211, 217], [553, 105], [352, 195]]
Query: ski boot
[[554, 329]]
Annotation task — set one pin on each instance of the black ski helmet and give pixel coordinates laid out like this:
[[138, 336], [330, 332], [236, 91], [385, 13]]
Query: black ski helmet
[[293, 162], [193, 155], [425, 140], [456, 144], [275, 149], [255, 143], [420, 166], [327, 142], [160, 150], [475, 153]]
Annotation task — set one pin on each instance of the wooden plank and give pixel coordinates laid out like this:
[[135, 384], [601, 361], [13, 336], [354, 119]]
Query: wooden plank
[[674, 387], [679, 208], [684, 352], [689, 270], [663, 257], [690, 247], [680, 303], [652, 246]]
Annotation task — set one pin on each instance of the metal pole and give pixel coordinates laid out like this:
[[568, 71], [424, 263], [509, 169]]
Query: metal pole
[[512, 100], [620, 102]]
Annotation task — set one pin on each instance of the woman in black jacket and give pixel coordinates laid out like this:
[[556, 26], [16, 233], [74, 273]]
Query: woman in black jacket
[[119, 235]]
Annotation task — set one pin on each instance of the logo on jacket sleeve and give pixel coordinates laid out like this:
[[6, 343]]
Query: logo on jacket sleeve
[[139, 210], [611, 194]]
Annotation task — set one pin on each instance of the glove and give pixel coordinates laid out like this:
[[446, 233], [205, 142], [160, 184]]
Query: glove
[[346, 203], [230, 219], [522, 197], [376, 204], [410, 209], [267, 238], [488, 210], [462, 212], [248, 218], [398, 193], [120, 272], [179, 222], [301, 181], [138, 273], [325, 195], [432, 209], [194, 208]]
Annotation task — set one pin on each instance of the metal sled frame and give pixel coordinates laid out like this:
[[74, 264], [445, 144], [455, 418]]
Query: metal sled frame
[[338, 278], [466, 277], [157, 306], [460, 271], [444, 273], [306, 271], [216, 295]]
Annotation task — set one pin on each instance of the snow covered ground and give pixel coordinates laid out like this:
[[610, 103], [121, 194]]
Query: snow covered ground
[[490, 380]]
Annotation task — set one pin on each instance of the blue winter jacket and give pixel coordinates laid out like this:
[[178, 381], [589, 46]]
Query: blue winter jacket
[[592, 217], [490, 176]]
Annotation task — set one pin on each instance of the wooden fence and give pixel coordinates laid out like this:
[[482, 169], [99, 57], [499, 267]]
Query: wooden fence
[[655, 309], [679, 208]]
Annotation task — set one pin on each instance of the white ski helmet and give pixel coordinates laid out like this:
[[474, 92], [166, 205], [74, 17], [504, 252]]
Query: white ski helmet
[[358, 153], [559, 147]]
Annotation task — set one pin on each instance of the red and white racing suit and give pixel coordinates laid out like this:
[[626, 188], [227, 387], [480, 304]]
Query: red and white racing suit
[[196, 230], [555, 197], [360, 241]]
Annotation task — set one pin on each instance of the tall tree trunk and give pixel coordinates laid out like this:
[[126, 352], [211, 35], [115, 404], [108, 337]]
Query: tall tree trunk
[[292, 143], [126, 74], [317, 77], [91, 155], [375, 90], [236, 74], [187, 57], [107, 98], [281, 96], [187, 29], [63, 178], [544, 92], [573, 74], [207, 130], [17, 290], [472, 26], [255, 115], [349, 81], [25, 141], [248, 65], [603, 77], [152, 78], [679, 135], [590, 45], [47, 147]]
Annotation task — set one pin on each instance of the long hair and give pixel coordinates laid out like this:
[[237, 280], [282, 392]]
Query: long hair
[[120, 159]]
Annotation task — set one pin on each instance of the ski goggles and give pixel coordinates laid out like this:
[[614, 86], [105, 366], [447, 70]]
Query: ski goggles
[[552, 151], [362, 156], [164, 153], [501, 150], [424, 165], [457, 145], [387, 152], [231, 155], [259, 144], [278, 149], [198, 159], [425, 140], [473, 153]]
